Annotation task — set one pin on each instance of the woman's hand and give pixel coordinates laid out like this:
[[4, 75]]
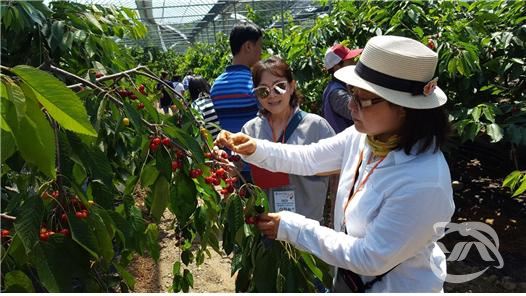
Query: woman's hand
[[239, 142], [268, 224]]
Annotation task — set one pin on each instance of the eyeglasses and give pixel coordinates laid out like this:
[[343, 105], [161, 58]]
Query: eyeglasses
[[363, 103], [279, 88]]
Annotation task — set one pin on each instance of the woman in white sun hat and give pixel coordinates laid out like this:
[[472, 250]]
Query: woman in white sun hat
[[395, 187]]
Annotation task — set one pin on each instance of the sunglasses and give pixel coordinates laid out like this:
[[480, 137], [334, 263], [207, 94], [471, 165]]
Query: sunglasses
[[363, 103], [263, 92]]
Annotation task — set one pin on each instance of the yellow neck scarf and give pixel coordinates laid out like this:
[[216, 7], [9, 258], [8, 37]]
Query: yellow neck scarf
[[382, 148]]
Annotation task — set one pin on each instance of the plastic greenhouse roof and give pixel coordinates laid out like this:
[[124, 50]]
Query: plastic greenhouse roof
[[176, 24]]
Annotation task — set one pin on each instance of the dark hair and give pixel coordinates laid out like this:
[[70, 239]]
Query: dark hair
[[431, 126], [164, 75], [176, 78], [277, 67], [242, 33], [196, 86]]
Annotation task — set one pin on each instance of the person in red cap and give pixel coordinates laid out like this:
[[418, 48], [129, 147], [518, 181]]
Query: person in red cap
[[336, 97]]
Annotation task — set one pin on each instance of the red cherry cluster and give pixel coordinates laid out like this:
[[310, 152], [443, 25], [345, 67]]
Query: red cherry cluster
[[156, 142], [48, 194], [80, 210]]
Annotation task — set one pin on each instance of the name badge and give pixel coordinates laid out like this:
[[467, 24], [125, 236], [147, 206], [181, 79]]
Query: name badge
[[284, 199]]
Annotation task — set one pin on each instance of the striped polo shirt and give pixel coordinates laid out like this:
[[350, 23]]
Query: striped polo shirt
[[233, 97], [205, 106]]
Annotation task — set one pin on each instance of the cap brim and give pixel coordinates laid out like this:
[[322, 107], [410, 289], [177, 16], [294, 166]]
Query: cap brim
[[436, 99], [353, 53]]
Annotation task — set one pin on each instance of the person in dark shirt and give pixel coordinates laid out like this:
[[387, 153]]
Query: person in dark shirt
[[336, 97], [166, 101]]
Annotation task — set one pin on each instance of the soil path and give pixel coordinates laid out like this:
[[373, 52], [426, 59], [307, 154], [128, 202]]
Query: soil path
[[213, 276]]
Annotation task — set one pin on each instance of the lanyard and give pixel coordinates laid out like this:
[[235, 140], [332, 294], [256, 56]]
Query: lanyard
[[360, 186]]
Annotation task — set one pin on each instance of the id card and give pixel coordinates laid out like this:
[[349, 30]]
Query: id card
[[284, 199]]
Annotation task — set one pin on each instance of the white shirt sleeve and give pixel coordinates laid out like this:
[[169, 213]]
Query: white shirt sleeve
[[304, 160], [404, 225]]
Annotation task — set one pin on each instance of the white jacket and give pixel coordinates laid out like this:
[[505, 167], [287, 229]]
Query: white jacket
[[389, 222]]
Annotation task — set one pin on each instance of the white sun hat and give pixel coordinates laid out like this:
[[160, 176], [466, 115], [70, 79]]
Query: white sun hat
[[398, 69]]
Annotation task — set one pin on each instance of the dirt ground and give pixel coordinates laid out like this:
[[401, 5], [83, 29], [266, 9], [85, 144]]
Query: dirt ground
[[479, 198], [213, 276]]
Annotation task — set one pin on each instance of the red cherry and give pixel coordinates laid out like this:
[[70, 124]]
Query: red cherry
[[154, 147], [44, 236], [5, 232], [43, 230], [195, 173], [216, 181], [230, 188], [156, 141], [85, 213], [98, 75], [231, 181], [175, 165], [220, 172], [64, 218], [224, 192], [180, 154], [79, 215], [166, 141], [250, 220], [55, 194], [141, 89], [65, 232], [134, 97], [224, 155], [140, 106], [209, 155], [123, 93]]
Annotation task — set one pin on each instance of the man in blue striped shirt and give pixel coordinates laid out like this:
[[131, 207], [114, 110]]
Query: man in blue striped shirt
[[232, 94]]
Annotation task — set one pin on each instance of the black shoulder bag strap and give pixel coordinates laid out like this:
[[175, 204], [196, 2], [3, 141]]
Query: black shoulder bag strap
[[293, 124]]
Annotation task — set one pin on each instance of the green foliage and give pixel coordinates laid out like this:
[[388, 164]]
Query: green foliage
[[516, 182], [69, 163], [73, 36]]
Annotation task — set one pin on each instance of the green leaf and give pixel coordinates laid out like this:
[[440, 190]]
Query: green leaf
[[475, 113], [183, 197], [104, 240], [34, 137], [152, 241], [187, 141], [27, 224], [522, 188], [161, 195], [126, 276], [7, 144], [512, 179], [92, 20], [15, 95], [18, 282], [83, 234], [495, 132], [489, 113], [309, 261], [45, 273], [61, 103]]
